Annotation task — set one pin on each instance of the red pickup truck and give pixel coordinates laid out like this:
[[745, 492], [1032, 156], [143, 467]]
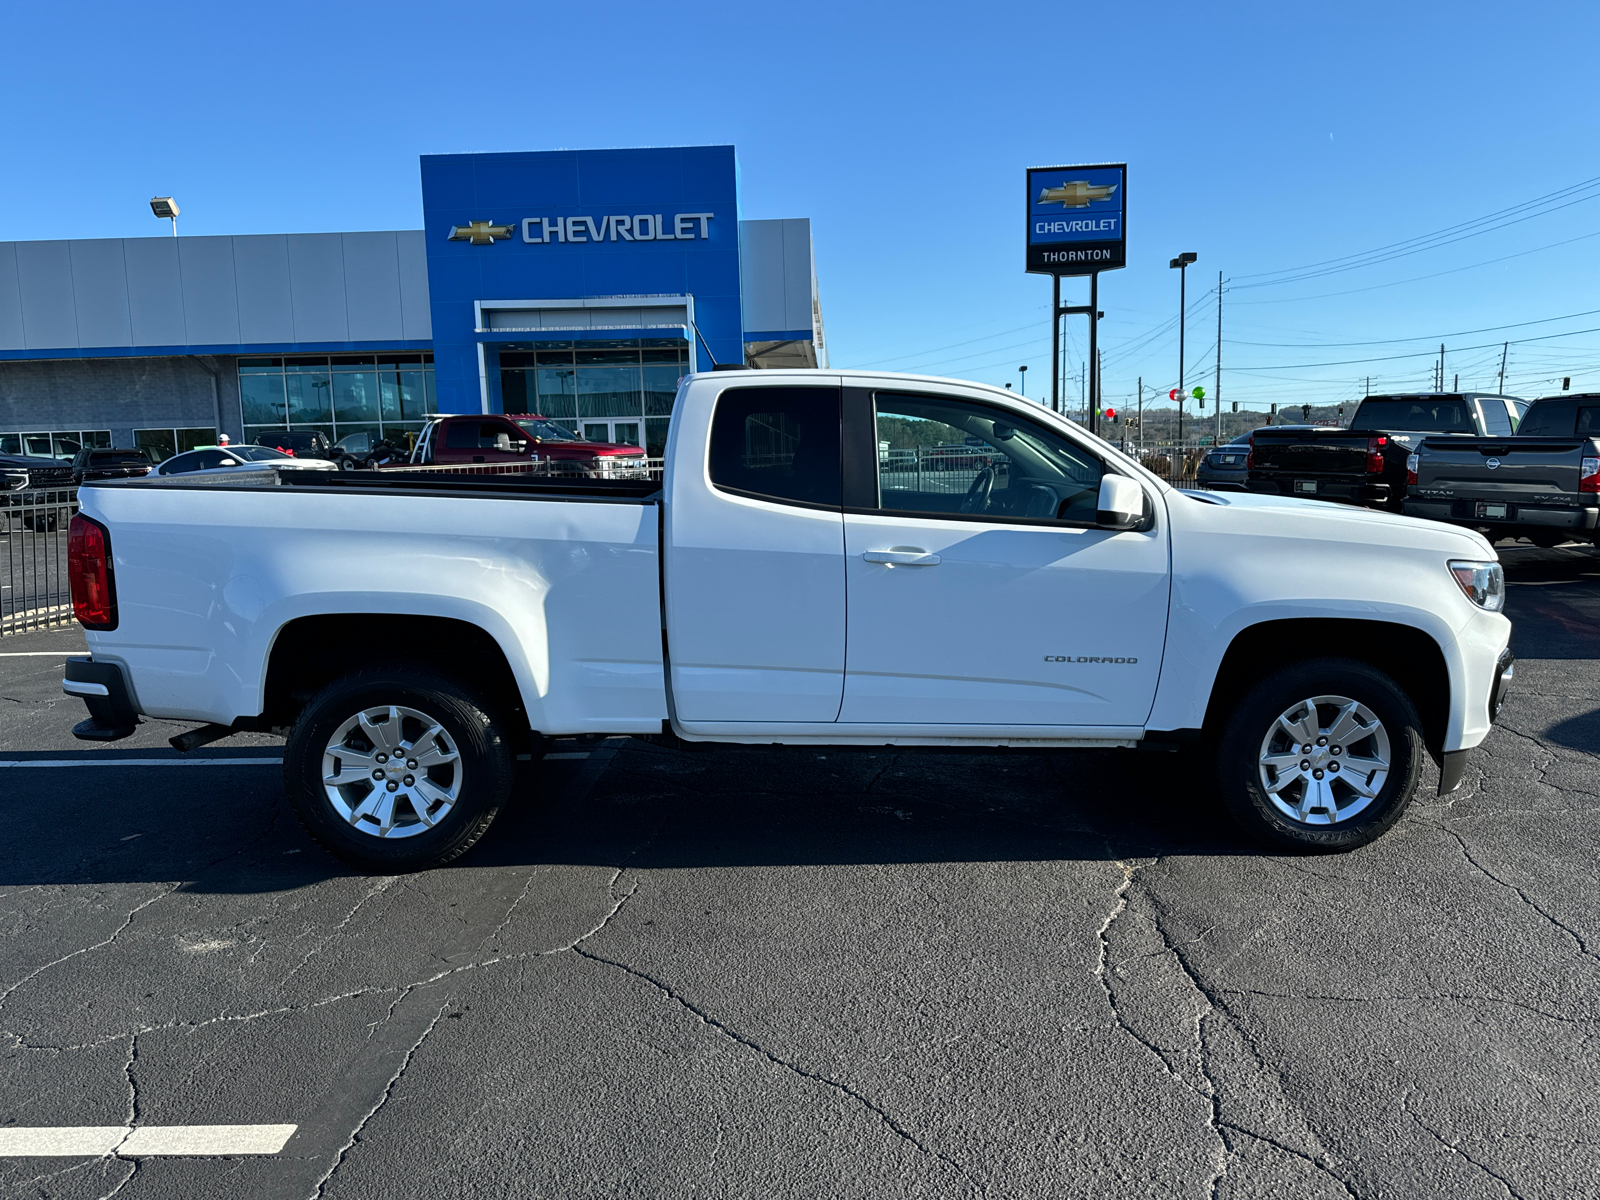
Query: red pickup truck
[[520, 437]]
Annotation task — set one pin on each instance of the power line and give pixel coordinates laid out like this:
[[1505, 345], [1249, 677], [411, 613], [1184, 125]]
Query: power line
[[1499, 219], [1419, 338]]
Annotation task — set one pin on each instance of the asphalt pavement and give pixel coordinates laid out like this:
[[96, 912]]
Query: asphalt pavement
[[776, 973]]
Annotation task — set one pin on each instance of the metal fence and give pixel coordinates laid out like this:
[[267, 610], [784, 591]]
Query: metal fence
[[33, 559]]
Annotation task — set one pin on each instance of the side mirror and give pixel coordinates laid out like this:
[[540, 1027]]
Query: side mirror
[[502, 442], [1121, 504]]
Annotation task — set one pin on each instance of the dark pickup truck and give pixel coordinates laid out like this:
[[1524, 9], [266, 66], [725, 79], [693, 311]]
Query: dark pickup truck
[[1542, 483], [1366, 463]]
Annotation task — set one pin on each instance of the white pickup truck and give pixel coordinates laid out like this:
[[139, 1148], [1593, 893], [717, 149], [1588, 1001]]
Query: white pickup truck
[[831, 559]]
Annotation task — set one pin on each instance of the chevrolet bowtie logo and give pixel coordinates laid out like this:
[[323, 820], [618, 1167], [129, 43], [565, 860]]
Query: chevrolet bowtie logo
[[479, 233]]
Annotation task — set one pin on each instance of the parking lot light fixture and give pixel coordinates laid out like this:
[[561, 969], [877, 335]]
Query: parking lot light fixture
[[1181, 265], [166, 208]]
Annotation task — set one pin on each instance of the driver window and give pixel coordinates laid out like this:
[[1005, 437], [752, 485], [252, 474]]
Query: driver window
[[946, 457]]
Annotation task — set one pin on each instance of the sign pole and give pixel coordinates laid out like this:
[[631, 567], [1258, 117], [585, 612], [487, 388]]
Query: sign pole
[[1055, 344], [1094, 357]]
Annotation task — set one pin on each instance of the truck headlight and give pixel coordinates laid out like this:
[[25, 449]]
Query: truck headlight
[[1483, 582]]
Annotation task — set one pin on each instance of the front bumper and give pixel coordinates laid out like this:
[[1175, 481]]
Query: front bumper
[[1454, 762]]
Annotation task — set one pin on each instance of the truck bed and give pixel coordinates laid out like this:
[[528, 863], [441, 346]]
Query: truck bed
[[565, 576]]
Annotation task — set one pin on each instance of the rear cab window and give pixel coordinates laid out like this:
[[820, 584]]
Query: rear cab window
[[779, 443], [1549, 418], [1421, 414]]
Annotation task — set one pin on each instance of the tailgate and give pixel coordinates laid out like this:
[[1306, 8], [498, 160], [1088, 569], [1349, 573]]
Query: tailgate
[[1527, 470], [1338, 453]]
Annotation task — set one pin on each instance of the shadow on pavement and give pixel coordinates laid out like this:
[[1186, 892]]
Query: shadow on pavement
[[229, 829]]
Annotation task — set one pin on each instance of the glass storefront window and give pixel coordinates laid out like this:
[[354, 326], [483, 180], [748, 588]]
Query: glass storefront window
[[557, 393], [655, 437], [355, 396], [309, 398], [337, 394], [158, 444], [608, 392], [660, 387]]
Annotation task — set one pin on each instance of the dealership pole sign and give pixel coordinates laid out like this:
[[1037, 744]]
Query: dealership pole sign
[[1076, 219]]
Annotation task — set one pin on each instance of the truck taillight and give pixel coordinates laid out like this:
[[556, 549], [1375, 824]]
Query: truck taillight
[[90, 575], [1589, 475], [1413, 461], [1375, 445], [1250, 454]]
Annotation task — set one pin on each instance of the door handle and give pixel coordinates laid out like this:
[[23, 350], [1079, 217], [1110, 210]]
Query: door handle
[[911, 557]]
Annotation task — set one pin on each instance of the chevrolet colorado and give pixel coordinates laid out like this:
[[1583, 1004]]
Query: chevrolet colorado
[[789, 582]]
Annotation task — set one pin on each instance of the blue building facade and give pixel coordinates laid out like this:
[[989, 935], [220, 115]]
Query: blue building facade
[[580, 284]]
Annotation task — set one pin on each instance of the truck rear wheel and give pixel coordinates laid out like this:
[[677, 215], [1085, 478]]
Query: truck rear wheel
[[1322, 756], [397, 770]]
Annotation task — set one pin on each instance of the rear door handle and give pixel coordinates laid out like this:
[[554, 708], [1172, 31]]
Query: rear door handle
[[902, 558]]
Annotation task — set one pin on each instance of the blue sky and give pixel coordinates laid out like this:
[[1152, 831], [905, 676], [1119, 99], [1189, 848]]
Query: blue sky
[[1263, 137]]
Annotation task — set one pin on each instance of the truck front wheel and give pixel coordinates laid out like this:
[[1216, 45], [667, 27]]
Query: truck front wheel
[[396, 770], [1321, 756]]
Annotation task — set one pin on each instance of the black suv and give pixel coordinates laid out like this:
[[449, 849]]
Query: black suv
[[90, 464]]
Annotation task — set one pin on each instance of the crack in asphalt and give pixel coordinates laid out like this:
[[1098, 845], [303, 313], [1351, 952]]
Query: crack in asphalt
[[355, 1134], [733, 1035], [1459, 997], [100, 945], [1217, 1008], [1230, 1127], [1466, 852], [1454, 1148]]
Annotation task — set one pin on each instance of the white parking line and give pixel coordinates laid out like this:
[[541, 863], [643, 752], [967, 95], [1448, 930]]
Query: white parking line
[[147, 1141], [140, 762], [39, 653]]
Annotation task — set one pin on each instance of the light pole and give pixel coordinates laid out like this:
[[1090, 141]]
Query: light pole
[[166, 208], [1181, 263], [1022, 374]]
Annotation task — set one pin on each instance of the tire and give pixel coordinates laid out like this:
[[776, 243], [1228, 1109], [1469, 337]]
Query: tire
[[437, 813], [349, 464], [1293, 799]]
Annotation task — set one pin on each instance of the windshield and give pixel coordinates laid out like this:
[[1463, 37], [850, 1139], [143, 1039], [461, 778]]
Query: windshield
[[547, 431], [1426, 414]]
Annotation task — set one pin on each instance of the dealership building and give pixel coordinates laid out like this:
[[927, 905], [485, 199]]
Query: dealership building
[[580, 284]]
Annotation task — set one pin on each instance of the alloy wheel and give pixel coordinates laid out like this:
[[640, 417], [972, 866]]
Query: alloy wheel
[[1324, 760]]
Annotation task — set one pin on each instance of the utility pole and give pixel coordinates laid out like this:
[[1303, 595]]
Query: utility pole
[[1216, 387], [1440, 388], [1083, 392], [1503, 350], [1141, 416]]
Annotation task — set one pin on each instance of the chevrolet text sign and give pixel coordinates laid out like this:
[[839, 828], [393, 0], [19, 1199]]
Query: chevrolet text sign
[[1075, 219], [644, 227]]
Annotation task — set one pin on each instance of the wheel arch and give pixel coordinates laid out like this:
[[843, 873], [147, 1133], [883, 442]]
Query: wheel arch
[[310, 652], [1408, 655]]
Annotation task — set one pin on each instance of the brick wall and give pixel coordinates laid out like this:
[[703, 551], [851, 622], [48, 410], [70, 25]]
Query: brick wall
[[119, 394]]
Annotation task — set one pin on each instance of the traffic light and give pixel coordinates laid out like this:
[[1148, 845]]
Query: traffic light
[[1305, 411], [1235, 406], [1566, 382]]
